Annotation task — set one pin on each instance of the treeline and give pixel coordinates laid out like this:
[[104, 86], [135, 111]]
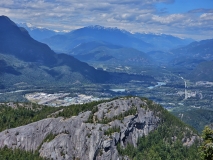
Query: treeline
[[28, 113], [22, 115], [18, 154], [74, 110]]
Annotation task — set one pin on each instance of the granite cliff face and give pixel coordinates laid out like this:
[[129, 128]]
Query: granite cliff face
[[77, 137]]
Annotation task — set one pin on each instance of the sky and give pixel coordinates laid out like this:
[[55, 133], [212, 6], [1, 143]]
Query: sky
[[182, 18]]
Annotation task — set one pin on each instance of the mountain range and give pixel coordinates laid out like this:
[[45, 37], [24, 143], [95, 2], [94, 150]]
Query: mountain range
[[21, 54], [26, 58], [193, 60], [197, 57], [163, 42], [125, 128], [27, 61], [142, 42], [68, 41], [114, 46], [196, 51]]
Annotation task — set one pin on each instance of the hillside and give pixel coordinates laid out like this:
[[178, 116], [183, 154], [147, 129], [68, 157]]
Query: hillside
[[128, 127], [109, 54], [196, 58], [202, 72], [188, 56], [193, 54], [193, 61], [16, 42], [201, 50], [25, 60], [163, 42]]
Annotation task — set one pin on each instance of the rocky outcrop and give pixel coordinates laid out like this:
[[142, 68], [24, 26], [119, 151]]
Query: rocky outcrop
[[119, 121], [190, 141]]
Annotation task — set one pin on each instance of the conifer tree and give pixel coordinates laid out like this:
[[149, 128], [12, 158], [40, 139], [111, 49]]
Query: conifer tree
[[206, 148]]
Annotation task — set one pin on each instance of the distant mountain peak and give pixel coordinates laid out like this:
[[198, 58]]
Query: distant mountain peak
[[98, 27], [38, 32], [29, 25]]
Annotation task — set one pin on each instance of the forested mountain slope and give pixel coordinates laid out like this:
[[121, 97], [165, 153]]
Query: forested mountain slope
[[23, 54], [131, 127]]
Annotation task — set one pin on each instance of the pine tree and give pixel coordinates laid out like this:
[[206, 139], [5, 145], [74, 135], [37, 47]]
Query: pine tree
[[206, 148]]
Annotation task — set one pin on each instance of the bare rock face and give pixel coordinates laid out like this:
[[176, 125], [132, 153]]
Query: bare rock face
[[119, 121]]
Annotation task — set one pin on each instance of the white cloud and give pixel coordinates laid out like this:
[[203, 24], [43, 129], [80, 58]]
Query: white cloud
[[173, 18], [5, 3], [132, 15], [207, 16]]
